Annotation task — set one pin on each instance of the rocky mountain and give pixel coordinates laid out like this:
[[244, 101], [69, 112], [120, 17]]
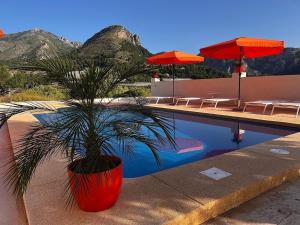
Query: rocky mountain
[[114, 42], [32, 45], [287, 62], [117, 43]]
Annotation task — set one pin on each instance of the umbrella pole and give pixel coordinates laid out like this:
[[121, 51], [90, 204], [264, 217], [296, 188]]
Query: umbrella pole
[[239, 91], [173, 69]]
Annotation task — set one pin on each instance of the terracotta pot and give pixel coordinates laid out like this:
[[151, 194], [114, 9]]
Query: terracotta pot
[[103, 188]]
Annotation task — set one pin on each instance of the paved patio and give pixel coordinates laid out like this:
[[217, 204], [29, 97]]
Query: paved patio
[[280, 206], [176, 196]]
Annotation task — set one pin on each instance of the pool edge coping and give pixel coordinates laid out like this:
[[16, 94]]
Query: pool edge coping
[[217, 114]]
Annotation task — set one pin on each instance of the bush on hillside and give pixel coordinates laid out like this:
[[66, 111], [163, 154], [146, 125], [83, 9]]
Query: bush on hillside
[[39, 93], [20, 79], [4, 76], [124, 91], [23, 80]]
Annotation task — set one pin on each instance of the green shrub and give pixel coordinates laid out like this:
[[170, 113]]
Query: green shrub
[[28, 96], [39, 93], [23, 80], [4, 76], [118, 91], [50, 91], [125, 91], [18, 80], [141, 91]]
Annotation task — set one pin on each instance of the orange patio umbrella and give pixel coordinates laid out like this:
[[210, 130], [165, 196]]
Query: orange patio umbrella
[[172, 58], [243, 47], [1, 33]]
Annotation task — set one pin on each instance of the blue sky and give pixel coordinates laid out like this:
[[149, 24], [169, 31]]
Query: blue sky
[[161, 24]]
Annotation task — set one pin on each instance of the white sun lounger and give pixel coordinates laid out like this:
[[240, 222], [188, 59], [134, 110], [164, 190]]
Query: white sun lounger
[[186, 99], [215, 101], [293, 105], [264, 103], [157, 98]]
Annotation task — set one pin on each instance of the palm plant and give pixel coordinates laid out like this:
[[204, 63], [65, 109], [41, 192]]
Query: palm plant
[[89, 129]]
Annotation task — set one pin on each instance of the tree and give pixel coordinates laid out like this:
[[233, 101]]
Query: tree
[[86, 131]]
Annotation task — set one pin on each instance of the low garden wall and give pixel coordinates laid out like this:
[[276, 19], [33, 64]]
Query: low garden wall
[[285, 87]]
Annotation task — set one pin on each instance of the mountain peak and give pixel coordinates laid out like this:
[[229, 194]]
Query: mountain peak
[[36, 30], [117, 32], [114, 27], [114, 42]]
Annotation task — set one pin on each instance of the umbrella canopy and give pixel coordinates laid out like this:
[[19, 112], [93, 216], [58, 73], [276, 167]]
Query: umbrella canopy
[[174, 57], [243, 47], [1, 33]]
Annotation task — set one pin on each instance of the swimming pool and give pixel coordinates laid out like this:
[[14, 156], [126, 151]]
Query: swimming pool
[[197, 137]]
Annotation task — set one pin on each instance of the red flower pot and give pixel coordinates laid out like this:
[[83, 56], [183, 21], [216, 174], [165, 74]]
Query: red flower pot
[[97, 191]]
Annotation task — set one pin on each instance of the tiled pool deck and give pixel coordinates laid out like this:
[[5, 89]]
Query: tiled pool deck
[[176, 196]]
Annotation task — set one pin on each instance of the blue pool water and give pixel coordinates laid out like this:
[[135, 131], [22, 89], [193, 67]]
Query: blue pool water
[[197, 137]]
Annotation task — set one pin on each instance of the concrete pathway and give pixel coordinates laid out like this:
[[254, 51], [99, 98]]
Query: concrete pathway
[[281, 206]]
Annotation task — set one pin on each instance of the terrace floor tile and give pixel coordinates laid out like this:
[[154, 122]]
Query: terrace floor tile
[[246, 168], [143, 201]]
